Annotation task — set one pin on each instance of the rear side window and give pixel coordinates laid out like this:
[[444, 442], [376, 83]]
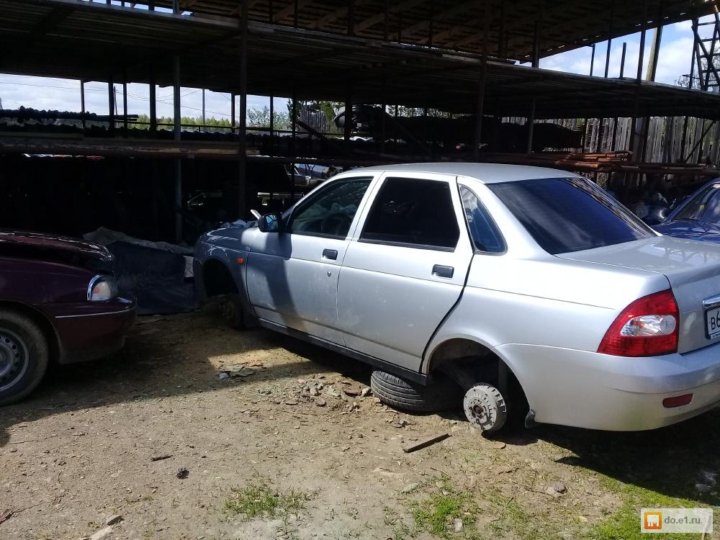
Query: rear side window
[[570, 214], [413, 212], [484, 233], [705, 206]]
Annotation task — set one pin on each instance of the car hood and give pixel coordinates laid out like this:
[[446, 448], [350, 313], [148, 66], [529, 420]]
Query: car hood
[[695, 230], [52, 247]]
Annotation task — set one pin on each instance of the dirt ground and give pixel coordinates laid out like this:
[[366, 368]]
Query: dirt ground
[[166, 437]]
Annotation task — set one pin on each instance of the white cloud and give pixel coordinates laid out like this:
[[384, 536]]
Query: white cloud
[[674, 59], [64, 94]]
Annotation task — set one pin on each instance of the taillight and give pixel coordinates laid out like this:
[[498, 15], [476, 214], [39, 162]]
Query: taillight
[[647, 327]]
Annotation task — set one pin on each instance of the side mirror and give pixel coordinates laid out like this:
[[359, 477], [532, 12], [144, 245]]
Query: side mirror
[[270, 223]]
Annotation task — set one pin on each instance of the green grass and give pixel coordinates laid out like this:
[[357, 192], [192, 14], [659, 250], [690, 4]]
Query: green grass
[[625, 523], [261, 500], [437, 512]]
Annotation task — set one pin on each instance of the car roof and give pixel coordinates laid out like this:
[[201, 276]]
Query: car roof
[[487, 173]]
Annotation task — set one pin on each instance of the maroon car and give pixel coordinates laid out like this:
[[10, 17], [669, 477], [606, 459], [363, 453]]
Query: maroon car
[[58, 302]]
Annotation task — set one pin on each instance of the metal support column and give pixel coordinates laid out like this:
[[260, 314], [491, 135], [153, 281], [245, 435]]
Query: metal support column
[[125, 105], [638, 80], [531, 126], [347, 127], [232, 113], [609, 40], [293, 141], [177, 135], [480, 104], [111, 105], [242, 120], [153, 101], [272, 125], [82, 103]]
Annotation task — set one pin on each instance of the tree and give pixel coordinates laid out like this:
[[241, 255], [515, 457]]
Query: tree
[[261, 118]]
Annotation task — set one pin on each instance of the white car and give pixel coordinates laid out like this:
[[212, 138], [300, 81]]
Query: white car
[[514, 290]]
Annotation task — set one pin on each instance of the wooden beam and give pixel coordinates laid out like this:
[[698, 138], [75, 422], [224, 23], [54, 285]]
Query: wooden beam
[[379, 17], [289, 10], [439, 16]]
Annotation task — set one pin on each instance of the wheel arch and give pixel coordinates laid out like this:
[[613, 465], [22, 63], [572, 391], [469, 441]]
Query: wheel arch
[[468, 360], [217, 278]]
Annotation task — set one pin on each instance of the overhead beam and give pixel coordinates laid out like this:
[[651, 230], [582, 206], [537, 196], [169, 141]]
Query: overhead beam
[[361, 26]]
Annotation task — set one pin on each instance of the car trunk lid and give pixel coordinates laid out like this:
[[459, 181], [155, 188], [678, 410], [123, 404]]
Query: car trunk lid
[[692, 269]]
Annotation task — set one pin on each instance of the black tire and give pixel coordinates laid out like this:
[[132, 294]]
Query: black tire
[[23, 356], [231, 311], [441, 395]]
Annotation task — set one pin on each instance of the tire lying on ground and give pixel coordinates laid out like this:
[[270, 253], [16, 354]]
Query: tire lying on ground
[[441, 395], [23, 356]]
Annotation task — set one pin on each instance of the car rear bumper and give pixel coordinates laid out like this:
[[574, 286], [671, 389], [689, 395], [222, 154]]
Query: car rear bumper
[[93, 330], [598, 391]]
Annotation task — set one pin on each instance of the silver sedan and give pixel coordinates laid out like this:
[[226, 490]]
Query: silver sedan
[[518, 292]]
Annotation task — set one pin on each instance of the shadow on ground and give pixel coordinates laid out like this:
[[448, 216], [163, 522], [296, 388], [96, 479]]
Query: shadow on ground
[[164, 357], [676, 461], [170, 356]]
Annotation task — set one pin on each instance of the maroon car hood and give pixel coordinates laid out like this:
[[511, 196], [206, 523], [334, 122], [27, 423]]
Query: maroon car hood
[[38, 245]]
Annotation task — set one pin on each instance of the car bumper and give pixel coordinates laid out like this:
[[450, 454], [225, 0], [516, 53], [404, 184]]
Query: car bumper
[[598, 391], [92, 330]]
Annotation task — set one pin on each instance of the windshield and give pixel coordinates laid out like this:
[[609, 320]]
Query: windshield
[[705, 206], [569, 214]]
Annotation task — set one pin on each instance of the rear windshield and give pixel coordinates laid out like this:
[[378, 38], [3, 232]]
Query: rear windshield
[[570, 214]]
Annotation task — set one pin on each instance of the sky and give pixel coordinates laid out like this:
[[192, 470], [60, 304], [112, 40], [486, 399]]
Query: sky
[[64, 94]]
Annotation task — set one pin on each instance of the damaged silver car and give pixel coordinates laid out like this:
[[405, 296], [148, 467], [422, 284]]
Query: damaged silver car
[[515, 291]]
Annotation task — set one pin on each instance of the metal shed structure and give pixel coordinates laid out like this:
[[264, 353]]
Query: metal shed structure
[[458, 56]]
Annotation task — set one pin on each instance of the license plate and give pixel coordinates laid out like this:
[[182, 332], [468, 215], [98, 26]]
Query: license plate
[[712, 323]]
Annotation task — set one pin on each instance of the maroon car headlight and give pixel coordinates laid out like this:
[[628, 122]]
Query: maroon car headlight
[[101, 288]]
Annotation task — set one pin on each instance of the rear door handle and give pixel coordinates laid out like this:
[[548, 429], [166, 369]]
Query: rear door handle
[[443, 271], [330, 254]]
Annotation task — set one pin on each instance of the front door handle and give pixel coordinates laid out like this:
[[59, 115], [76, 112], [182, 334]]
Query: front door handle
[[330, 254], [443, 271]]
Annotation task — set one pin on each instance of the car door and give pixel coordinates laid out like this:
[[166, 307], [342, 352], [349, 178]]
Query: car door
[[292, 275], [406, 268]]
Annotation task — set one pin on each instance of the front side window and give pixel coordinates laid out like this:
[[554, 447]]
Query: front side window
[[570, 214], [330, 212], [413, 212]]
